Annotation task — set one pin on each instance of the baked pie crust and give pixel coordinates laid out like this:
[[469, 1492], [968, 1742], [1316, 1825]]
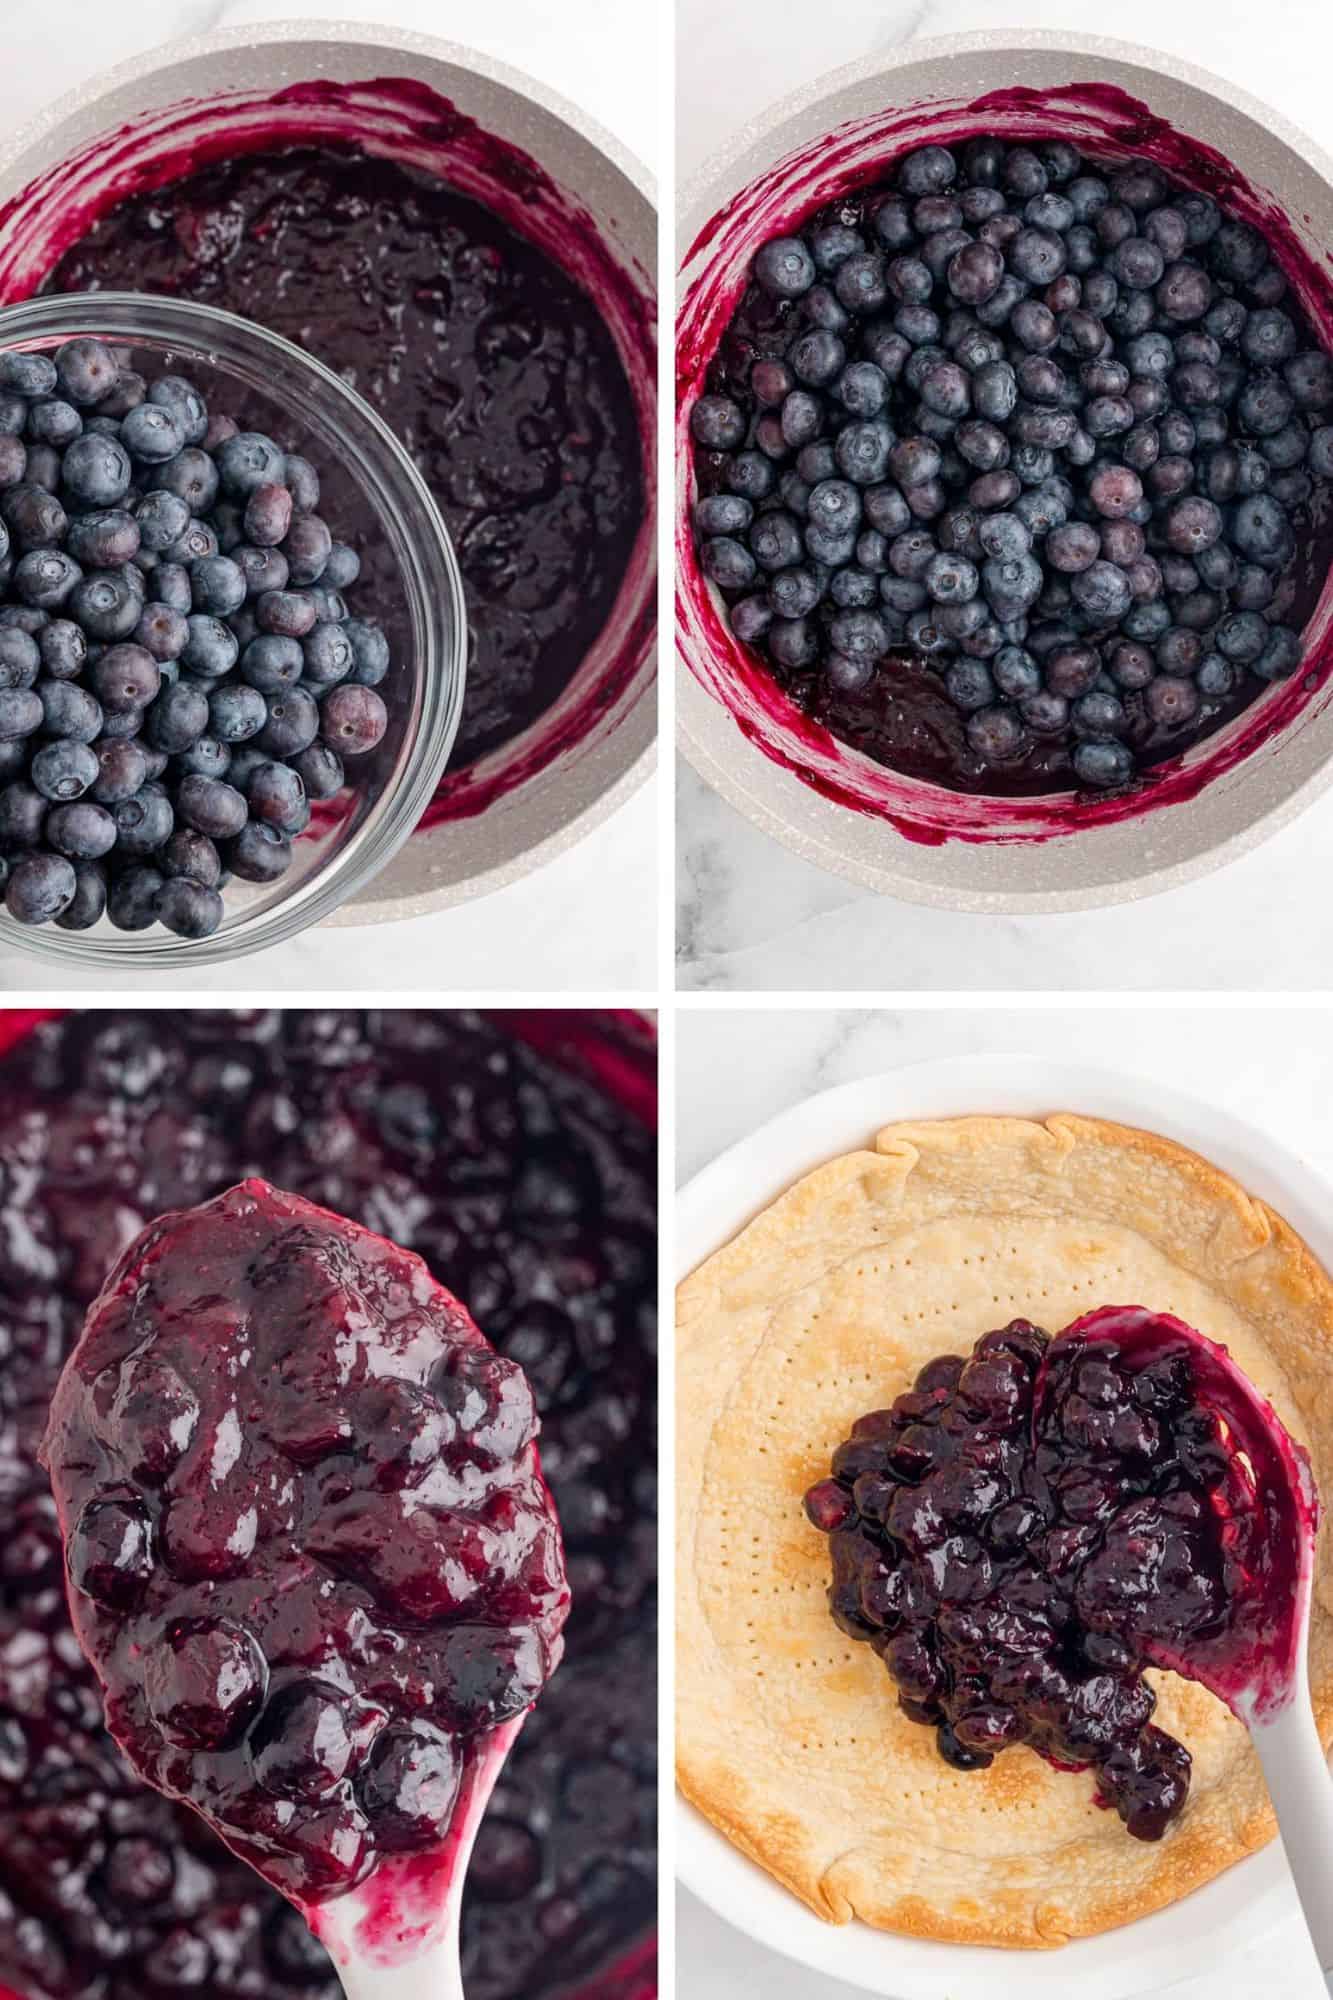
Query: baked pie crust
[[789, 1735]]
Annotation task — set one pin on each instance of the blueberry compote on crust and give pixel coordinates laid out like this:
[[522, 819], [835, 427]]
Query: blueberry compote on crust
[[1015, 469], [1028, 1527], [534, 1193], [492, 365], [310, 1552]]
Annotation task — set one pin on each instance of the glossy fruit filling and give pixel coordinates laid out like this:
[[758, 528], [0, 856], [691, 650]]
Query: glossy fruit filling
[[493, 366], [310, 1552], [1030, 1526], [525, 1183]]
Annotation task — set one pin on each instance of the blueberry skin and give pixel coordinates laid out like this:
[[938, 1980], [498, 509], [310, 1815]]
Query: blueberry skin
[[184, 402], [143, 823], [277, 795], [210, 647], [328, 655], [263, 568], [217, 586], [237, 713], [179, 715], [96, 471], [83, 831], [39, 888], [210, 806], [1102, 764], [289, 614], [87, 906], [307, 547], [193, 855], [320, 771], [784, 267], [717, 423], [151, 434], [725, 561], [86, 370], [126, 677], [20, 657], [353, 720], [188, 908], [20, 712], [22, 814], [249, 460], [122, 770], [134, 898], [271, 663], [259, 853], [27, 375], [106, 607], [46, 578], [63, 771]]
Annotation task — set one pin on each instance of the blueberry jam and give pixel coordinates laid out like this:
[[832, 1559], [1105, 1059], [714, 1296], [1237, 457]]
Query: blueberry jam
[[1015, 470], [1028, 1527], [493, 367], [310, 1552], [535, 1194]]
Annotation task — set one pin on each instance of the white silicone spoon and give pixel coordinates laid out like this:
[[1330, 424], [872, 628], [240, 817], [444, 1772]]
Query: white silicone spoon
[[1262, 1674], [395, 1936]]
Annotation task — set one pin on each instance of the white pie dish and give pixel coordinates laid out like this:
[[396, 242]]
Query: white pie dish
[[1194, 1936]]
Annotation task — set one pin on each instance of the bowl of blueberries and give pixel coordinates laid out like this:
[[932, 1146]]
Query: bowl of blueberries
[[1005, 471], [232, 640]]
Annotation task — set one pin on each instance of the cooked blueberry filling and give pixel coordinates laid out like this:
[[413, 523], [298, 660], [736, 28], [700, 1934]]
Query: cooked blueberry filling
[[536, 1193], [493, 366], [314, 1561], [1026, 1529], [1015, 471]]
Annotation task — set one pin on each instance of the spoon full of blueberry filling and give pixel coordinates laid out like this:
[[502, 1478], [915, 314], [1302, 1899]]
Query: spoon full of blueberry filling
[[1027, 1528], [312, 1559]]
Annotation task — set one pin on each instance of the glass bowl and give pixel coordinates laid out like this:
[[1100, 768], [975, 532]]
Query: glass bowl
[[372, 497]]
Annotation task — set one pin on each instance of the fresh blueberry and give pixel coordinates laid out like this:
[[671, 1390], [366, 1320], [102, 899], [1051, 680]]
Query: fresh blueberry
[[28, 376], [247, 461], [152, 434], [1102, 763], [82, 831], [306, 548], [328, 655], [39, 888], [320, 769], [178, 716], [259, 853], [784, 267], [64, 770], [188, 908], [46, 578], [144, 822], [186, 405], [353, 720], [122, 770], [134, 897], [162, 632], [86, 371], [87, 906], [236, 712]]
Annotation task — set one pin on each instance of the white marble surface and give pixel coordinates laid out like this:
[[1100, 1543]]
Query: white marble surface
[[751, 916], [587, 921], [737, 1067]]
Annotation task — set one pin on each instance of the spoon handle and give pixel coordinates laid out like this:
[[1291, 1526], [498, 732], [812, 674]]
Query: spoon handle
[[1301, 1789], [434, 1975]]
